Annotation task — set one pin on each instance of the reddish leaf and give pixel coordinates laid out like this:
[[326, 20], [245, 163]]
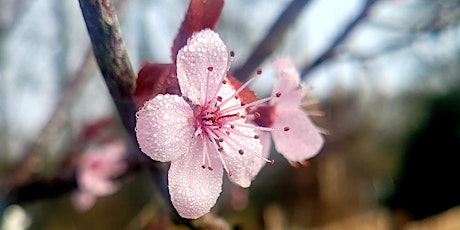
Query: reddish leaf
[[154, 79], [246, 95], [201, 14]]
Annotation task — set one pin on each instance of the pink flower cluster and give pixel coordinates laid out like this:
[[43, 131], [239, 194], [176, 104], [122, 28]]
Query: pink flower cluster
[[210, 127]]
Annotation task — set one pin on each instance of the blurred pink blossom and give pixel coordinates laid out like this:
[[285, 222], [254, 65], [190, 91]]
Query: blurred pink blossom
[[95, 173], [304, 139]]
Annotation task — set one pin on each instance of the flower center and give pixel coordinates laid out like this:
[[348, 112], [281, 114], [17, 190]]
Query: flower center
[[221, 122]]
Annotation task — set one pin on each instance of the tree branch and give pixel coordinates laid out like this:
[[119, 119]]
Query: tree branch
[[271, 40], [329, 52], [109, 49], [112, 58]]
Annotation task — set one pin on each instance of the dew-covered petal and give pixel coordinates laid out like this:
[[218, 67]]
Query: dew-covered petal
[[303, 139], [203, 50], [243, 167], [193, 189], [265, 140], [288, 84], [164, 127]]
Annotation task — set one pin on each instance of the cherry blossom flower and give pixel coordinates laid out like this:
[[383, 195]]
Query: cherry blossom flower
[[204, 131], [95, 173], [304, 139]]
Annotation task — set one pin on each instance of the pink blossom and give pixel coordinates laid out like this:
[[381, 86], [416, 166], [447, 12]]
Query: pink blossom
[[96, 171], [204, 131], [303, 140]]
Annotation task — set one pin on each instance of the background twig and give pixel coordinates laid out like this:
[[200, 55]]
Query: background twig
[[271, 40], [329, 52]]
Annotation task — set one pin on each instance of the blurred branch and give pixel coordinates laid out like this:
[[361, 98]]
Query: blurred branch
[[271, 40], [329, 52], [24, 170], [31, 156], [11, 11]]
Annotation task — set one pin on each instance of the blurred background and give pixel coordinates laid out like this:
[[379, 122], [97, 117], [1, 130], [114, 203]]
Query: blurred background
[[386, 72]]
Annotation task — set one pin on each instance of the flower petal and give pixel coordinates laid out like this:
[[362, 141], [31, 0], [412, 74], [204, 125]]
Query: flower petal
[[288, 84], [203, 50], [164, 127], [303, 139], [265, 140], [243, 167], [194, 190]]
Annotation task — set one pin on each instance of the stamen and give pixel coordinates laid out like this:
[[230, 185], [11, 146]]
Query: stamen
[[235, 144], [238, 107], [210, 68], [219, 150], [235, 95], [205, 155], [323, 131], [316, 113], [309, 103]]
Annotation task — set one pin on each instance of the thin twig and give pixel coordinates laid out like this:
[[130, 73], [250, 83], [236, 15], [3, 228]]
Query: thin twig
[[23, 171], [329, 52], [271, 40]]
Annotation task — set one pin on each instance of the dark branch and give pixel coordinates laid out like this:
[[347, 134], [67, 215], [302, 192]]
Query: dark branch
[[104, 30], [329, 52], [271, 40]]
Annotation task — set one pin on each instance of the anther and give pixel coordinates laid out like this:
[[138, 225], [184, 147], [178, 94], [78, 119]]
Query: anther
[[232, 53], [241, 152], [230, 173], [224, 81], [232, 126], [210, 168], [220, 149], [305, 163], [286, 129], [221, 139], [219, 98], [256, 136], [259, 72], [210, 68], [256, 114], [278, 94], [204, 166], [272, 162]]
